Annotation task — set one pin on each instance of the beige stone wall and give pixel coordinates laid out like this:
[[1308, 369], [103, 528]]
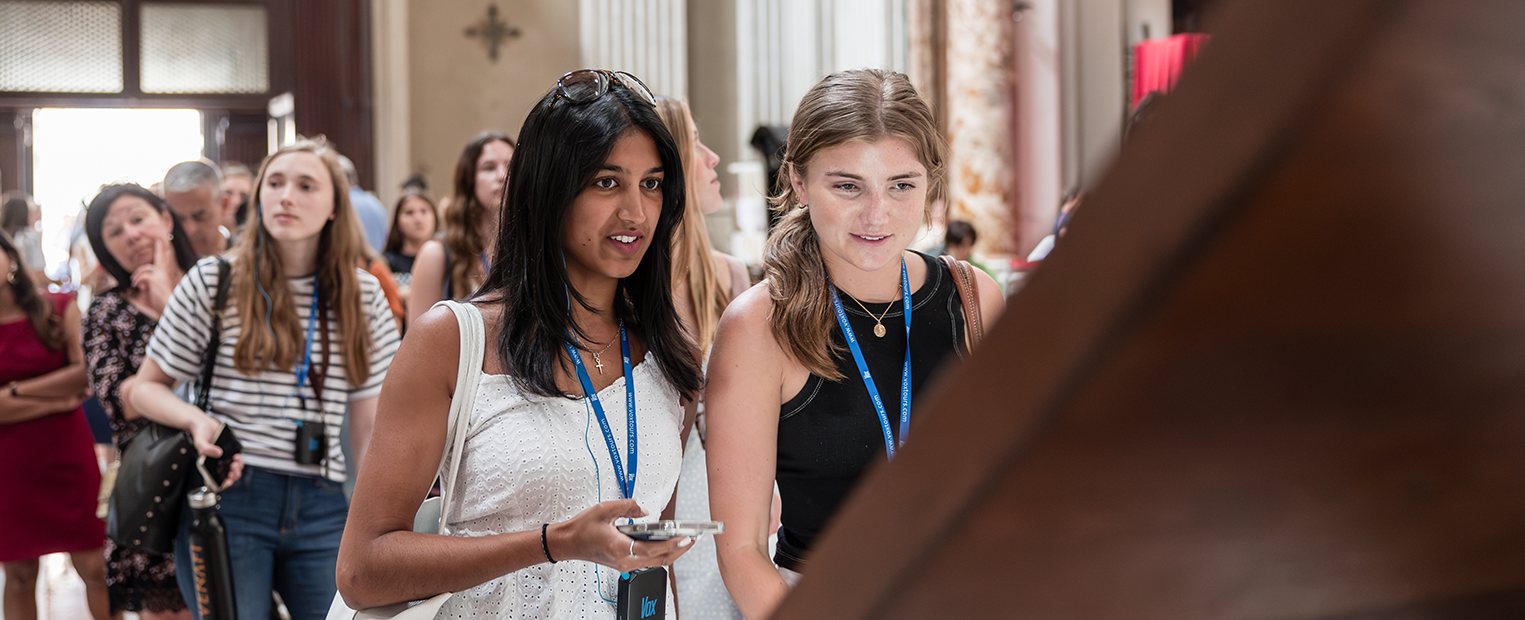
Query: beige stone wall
[[457, 92]]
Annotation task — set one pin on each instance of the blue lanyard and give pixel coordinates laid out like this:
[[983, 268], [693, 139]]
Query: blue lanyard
[[868, 378], [627, 483], [486, 268], [306, 364]]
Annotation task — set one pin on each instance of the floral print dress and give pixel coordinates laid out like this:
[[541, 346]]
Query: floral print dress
[[116, 334]]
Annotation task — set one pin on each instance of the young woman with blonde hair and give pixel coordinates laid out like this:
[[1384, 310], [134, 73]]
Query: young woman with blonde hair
[[785, 401], [304, 335], [704, 280]]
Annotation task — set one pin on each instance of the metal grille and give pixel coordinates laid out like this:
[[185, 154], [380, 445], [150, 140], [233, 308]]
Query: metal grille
[[61, 47], [204, 48]]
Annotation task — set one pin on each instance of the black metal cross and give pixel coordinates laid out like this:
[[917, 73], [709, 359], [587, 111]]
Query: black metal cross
[[493, 31]]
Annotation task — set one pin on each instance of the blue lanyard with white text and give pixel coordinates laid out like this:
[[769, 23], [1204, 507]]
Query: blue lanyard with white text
[[306, 364], [868, 378], [627, 483]]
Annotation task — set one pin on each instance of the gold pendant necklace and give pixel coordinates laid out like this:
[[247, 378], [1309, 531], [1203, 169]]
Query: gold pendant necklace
[[879, 321]]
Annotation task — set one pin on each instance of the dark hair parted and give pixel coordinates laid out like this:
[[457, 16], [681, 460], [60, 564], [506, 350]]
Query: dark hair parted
[[463, 217], [45, 322], [561, 148], [95, 218], [850, 106]]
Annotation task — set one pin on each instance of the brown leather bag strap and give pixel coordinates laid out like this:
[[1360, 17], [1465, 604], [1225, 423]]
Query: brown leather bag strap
[[969, 294]]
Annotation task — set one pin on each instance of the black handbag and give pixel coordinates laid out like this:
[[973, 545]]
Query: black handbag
[[145, 506]]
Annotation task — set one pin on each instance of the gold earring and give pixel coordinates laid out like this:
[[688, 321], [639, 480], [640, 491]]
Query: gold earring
[[10, 278]]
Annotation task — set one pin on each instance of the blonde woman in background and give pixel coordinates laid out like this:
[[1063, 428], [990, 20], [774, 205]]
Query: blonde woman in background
[[704, 283]]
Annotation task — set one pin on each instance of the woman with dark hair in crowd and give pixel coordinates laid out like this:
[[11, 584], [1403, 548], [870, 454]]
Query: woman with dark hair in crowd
[[785, 402], [48, 491], [454, 269], [414, 222], [305, 336], [582, 268], [18, 221], [139, 243]]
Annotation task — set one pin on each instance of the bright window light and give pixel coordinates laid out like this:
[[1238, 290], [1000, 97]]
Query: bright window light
[[75, 151]]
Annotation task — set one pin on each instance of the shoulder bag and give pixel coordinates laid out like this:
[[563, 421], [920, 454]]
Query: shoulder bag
[[144, 510], [431, 516], [969, 294]]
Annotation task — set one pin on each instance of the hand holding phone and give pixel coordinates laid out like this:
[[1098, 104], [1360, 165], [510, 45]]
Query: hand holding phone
[[216, 470]]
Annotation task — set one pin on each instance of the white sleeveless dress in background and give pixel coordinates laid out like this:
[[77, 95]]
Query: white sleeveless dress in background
[[531, 460]]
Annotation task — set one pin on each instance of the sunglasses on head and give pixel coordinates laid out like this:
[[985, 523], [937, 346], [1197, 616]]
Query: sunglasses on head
[[586, 85]]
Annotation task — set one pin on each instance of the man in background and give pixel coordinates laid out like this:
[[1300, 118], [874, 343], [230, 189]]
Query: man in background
[[373, 216], [193, 190], [237, 185]]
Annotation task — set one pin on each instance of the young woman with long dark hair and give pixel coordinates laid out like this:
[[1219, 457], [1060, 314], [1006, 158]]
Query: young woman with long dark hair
[[456, 266], [46, 450], [415, 220], [305, 336], [786, 401], [579, 319]]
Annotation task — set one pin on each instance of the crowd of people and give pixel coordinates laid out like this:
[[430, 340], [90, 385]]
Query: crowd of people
[[576, 263]]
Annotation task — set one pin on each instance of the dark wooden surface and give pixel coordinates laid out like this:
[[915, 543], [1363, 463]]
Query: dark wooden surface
[[1275, 371]]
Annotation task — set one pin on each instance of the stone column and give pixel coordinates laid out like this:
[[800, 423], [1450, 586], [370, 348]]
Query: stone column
[[980, 129]]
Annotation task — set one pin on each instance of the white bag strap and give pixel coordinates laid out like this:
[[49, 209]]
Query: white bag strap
[[468, 375]]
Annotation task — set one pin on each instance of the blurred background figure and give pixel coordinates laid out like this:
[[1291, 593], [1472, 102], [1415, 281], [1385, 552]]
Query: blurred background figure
[[46, 451], [193, 190], [373, 216], [455, 267], [958, 242], [237, 184], [1067, 208], [414, 223], [19, 215], [140, 244]]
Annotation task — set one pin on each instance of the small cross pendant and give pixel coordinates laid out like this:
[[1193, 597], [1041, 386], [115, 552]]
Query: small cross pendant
[[598, 363]]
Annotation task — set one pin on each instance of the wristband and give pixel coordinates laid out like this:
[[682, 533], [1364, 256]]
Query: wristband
[[543, 546], [13, 389]]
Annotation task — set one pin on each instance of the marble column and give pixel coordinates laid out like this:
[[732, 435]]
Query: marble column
[[980, 121]]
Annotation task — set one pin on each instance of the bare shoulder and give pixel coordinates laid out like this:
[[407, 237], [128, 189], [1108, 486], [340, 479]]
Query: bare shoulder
[[749, 311], [744, 336], [432, 253], [433, 344]]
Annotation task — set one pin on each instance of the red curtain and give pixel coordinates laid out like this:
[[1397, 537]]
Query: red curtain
[[1157, 63]]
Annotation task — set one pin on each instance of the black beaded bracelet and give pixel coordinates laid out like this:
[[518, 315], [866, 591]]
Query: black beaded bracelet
[[543, 546]]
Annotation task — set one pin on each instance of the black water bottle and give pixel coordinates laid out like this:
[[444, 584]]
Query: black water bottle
[[212, 567]]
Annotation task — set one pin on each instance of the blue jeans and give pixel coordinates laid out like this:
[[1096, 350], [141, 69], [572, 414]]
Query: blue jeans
[[283, 535]]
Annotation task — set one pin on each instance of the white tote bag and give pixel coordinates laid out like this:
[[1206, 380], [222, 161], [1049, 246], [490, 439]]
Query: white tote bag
[[431, 516]]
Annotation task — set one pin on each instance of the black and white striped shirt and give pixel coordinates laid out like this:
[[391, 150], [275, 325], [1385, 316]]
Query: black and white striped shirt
[[263, 409]]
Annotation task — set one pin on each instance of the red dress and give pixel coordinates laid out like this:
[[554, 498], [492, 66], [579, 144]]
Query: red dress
[[48, 475]]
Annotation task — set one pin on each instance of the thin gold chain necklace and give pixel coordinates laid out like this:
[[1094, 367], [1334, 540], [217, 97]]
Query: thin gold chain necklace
[[878, 321]]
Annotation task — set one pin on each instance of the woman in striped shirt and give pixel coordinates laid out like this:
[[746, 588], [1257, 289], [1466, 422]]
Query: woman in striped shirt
[[304, 335]]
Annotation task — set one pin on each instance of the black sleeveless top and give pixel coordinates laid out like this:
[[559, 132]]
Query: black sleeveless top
[[829, 433]]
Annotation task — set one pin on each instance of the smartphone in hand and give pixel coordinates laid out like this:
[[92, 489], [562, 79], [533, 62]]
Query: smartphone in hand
[[667, 530], [215, 471]]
